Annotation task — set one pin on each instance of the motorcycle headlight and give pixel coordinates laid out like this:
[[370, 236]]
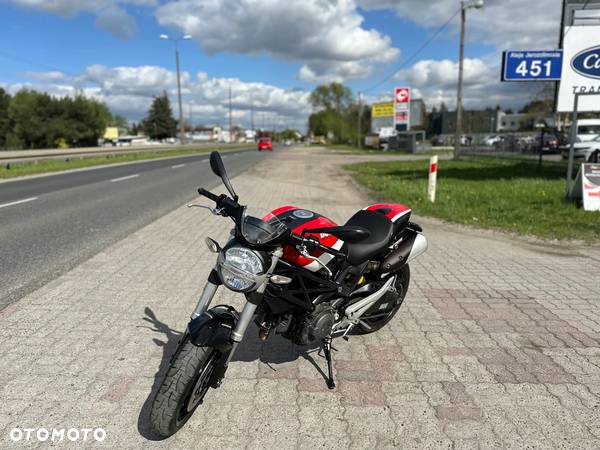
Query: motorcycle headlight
[[239, 268]]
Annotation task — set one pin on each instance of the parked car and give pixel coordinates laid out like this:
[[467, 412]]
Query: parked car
[[490, 141], [582, 150], [549, 145], [265, 143]]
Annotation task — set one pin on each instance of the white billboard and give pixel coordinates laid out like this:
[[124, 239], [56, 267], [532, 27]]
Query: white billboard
[[581, 69]]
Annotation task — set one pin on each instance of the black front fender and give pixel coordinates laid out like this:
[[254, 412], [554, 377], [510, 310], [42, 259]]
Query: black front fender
[[213, 328]]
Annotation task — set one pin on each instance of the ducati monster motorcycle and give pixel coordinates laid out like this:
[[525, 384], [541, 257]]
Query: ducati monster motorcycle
[[303, 277]]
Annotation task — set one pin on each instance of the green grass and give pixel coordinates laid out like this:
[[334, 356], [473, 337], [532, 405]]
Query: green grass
[[76, 162], [511, 196]]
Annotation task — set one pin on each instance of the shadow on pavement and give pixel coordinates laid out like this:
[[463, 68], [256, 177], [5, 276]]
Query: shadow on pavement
[[168, 344], [276, 350]]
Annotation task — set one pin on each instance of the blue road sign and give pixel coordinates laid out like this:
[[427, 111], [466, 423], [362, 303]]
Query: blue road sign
[[532, 65]]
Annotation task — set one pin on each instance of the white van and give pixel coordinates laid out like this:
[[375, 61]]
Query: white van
[[587, 129]]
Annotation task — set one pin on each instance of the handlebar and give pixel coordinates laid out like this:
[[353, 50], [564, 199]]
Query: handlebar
[[209, 195], [225, 205]]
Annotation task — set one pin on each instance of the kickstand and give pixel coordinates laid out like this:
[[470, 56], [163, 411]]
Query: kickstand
[[327, 351]]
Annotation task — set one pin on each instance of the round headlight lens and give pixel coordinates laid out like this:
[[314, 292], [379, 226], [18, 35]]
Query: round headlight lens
[[239, 268]]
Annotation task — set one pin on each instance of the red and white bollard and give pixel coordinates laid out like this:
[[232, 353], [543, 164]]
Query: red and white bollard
[[433, 166]]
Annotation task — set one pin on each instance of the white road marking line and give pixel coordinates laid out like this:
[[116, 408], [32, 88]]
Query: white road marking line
[[128, 177], [18, 202], [177, 166]]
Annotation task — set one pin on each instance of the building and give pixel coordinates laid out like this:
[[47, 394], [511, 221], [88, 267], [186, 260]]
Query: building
[[474, 121], [382, 115]]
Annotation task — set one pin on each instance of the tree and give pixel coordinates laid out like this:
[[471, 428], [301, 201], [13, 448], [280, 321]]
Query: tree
[[159, 123], [334, 103], [4, 122], [333, 96]]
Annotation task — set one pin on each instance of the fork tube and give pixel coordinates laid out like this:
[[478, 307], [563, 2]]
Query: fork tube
[[237, 334], [207, 295]]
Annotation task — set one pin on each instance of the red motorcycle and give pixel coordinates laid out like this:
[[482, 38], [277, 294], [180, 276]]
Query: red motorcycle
[[303, 276]]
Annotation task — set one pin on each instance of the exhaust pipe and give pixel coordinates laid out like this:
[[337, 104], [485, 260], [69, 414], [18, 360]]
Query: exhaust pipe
[[412, 246]]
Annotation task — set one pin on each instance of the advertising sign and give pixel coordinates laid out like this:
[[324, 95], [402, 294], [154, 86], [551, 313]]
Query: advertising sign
[[401, 108], [587, 186], [581, 69], [385, 109], [532, 65]]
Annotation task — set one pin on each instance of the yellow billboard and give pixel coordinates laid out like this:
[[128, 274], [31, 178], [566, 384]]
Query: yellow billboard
[[385, 109]]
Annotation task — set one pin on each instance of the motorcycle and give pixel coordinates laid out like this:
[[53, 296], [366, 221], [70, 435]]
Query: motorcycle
[[304, 278]]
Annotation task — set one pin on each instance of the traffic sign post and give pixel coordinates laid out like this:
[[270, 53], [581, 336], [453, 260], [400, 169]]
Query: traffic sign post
[[401, 108], [532, 65]]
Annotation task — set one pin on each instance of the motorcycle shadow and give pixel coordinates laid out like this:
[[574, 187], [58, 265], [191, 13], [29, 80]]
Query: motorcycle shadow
[[275, 351]]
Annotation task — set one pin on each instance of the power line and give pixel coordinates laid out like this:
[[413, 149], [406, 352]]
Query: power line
[[414, 54], [10, 56]]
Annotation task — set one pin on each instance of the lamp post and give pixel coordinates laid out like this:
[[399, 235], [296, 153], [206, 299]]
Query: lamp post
[[459, 94], [176, 42]]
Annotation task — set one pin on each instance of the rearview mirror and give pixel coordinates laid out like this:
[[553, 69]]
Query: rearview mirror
[[218, 168]]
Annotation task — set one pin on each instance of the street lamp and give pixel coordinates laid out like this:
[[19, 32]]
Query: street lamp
[[464, 5], [175, 42]]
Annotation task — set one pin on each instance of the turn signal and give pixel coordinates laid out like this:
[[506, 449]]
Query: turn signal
[[280, 279]]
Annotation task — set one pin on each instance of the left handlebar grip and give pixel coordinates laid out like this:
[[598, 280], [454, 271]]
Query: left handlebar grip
[[208, 194]]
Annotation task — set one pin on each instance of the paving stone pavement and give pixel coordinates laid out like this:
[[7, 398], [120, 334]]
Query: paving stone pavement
[[496, 346]]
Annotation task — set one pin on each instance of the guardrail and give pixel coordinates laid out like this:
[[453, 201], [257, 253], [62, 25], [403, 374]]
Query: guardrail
[[17, 156]]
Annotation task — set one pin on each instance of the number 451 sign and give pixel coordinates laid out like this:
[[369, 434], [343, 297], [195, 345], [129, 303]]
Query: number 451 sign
[[532, 65]]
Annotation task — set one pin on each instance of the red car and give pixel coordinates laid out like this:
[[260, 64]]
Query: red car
[[265, 144]]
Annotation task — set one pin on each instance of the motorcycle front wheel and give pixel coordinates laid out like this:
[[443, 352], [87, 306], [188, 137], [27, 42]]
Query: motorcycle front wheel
[[184, 387]]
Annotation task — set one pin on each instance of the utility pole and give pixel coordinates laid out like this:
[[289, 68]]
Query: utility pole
[[359, 143], [230, 119], [459, 91], [176, 43], [251, 112]]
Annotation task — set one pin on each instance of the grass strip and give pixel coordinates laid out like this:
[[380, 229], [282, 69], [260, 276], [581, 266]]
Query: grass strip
[[76, 162], [513, 196]]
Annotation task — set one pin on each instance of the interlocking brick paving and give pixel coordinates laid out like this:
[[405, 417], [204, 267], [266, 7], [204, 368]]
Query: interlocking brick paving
[[496, 345]]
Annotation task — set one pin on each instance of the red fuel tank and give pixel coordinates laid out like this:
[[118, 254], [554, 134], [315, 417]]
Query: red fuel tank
[[298, 219]]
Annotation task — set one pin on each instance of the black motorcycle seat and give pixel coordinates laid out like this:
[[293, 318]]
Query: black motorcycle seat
[[381, 229]]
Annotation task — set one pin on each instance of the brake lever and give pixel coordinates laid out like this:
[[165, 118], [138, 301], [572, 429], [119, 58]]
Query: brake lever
[[215, 211]]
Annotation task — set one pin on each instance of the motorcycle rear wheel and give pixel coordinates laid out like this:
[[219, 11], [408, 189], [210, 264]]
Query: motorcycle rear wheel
[[184, 387], [379, 319]]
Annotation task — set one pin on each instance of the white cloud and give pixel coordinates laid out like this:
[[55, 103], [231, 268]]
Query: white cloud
[[129, 91], [435, 82], [501, 23], [326, 35], [110, 14], [444, 74]]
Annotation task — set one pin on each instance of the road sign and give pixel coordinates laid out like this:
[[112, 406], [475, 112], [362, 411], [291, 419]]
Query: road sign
[[385, 109], [581, 69], [532, 65], [401, 108], [402, 96]]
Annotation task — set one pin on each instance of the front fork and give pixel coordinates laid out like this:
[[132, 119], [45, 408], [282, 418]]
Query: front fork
[[247, 314]]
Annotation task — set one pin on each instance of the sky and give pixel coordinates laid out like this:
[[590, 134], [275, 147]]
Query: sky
[[271, 53]]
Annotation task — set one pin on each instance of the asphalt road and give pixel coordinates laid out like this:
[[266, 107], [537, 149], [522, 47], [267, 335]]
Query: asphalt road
[[50, 224]]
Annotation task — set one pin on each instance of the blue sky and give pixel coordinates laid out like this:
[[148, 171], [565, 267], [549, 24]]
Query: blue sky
[[278, 62]]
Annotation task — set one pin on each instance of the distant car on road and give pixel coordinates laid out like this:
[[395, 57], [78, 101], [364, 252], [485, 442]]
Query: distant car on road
[[265, 143]]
